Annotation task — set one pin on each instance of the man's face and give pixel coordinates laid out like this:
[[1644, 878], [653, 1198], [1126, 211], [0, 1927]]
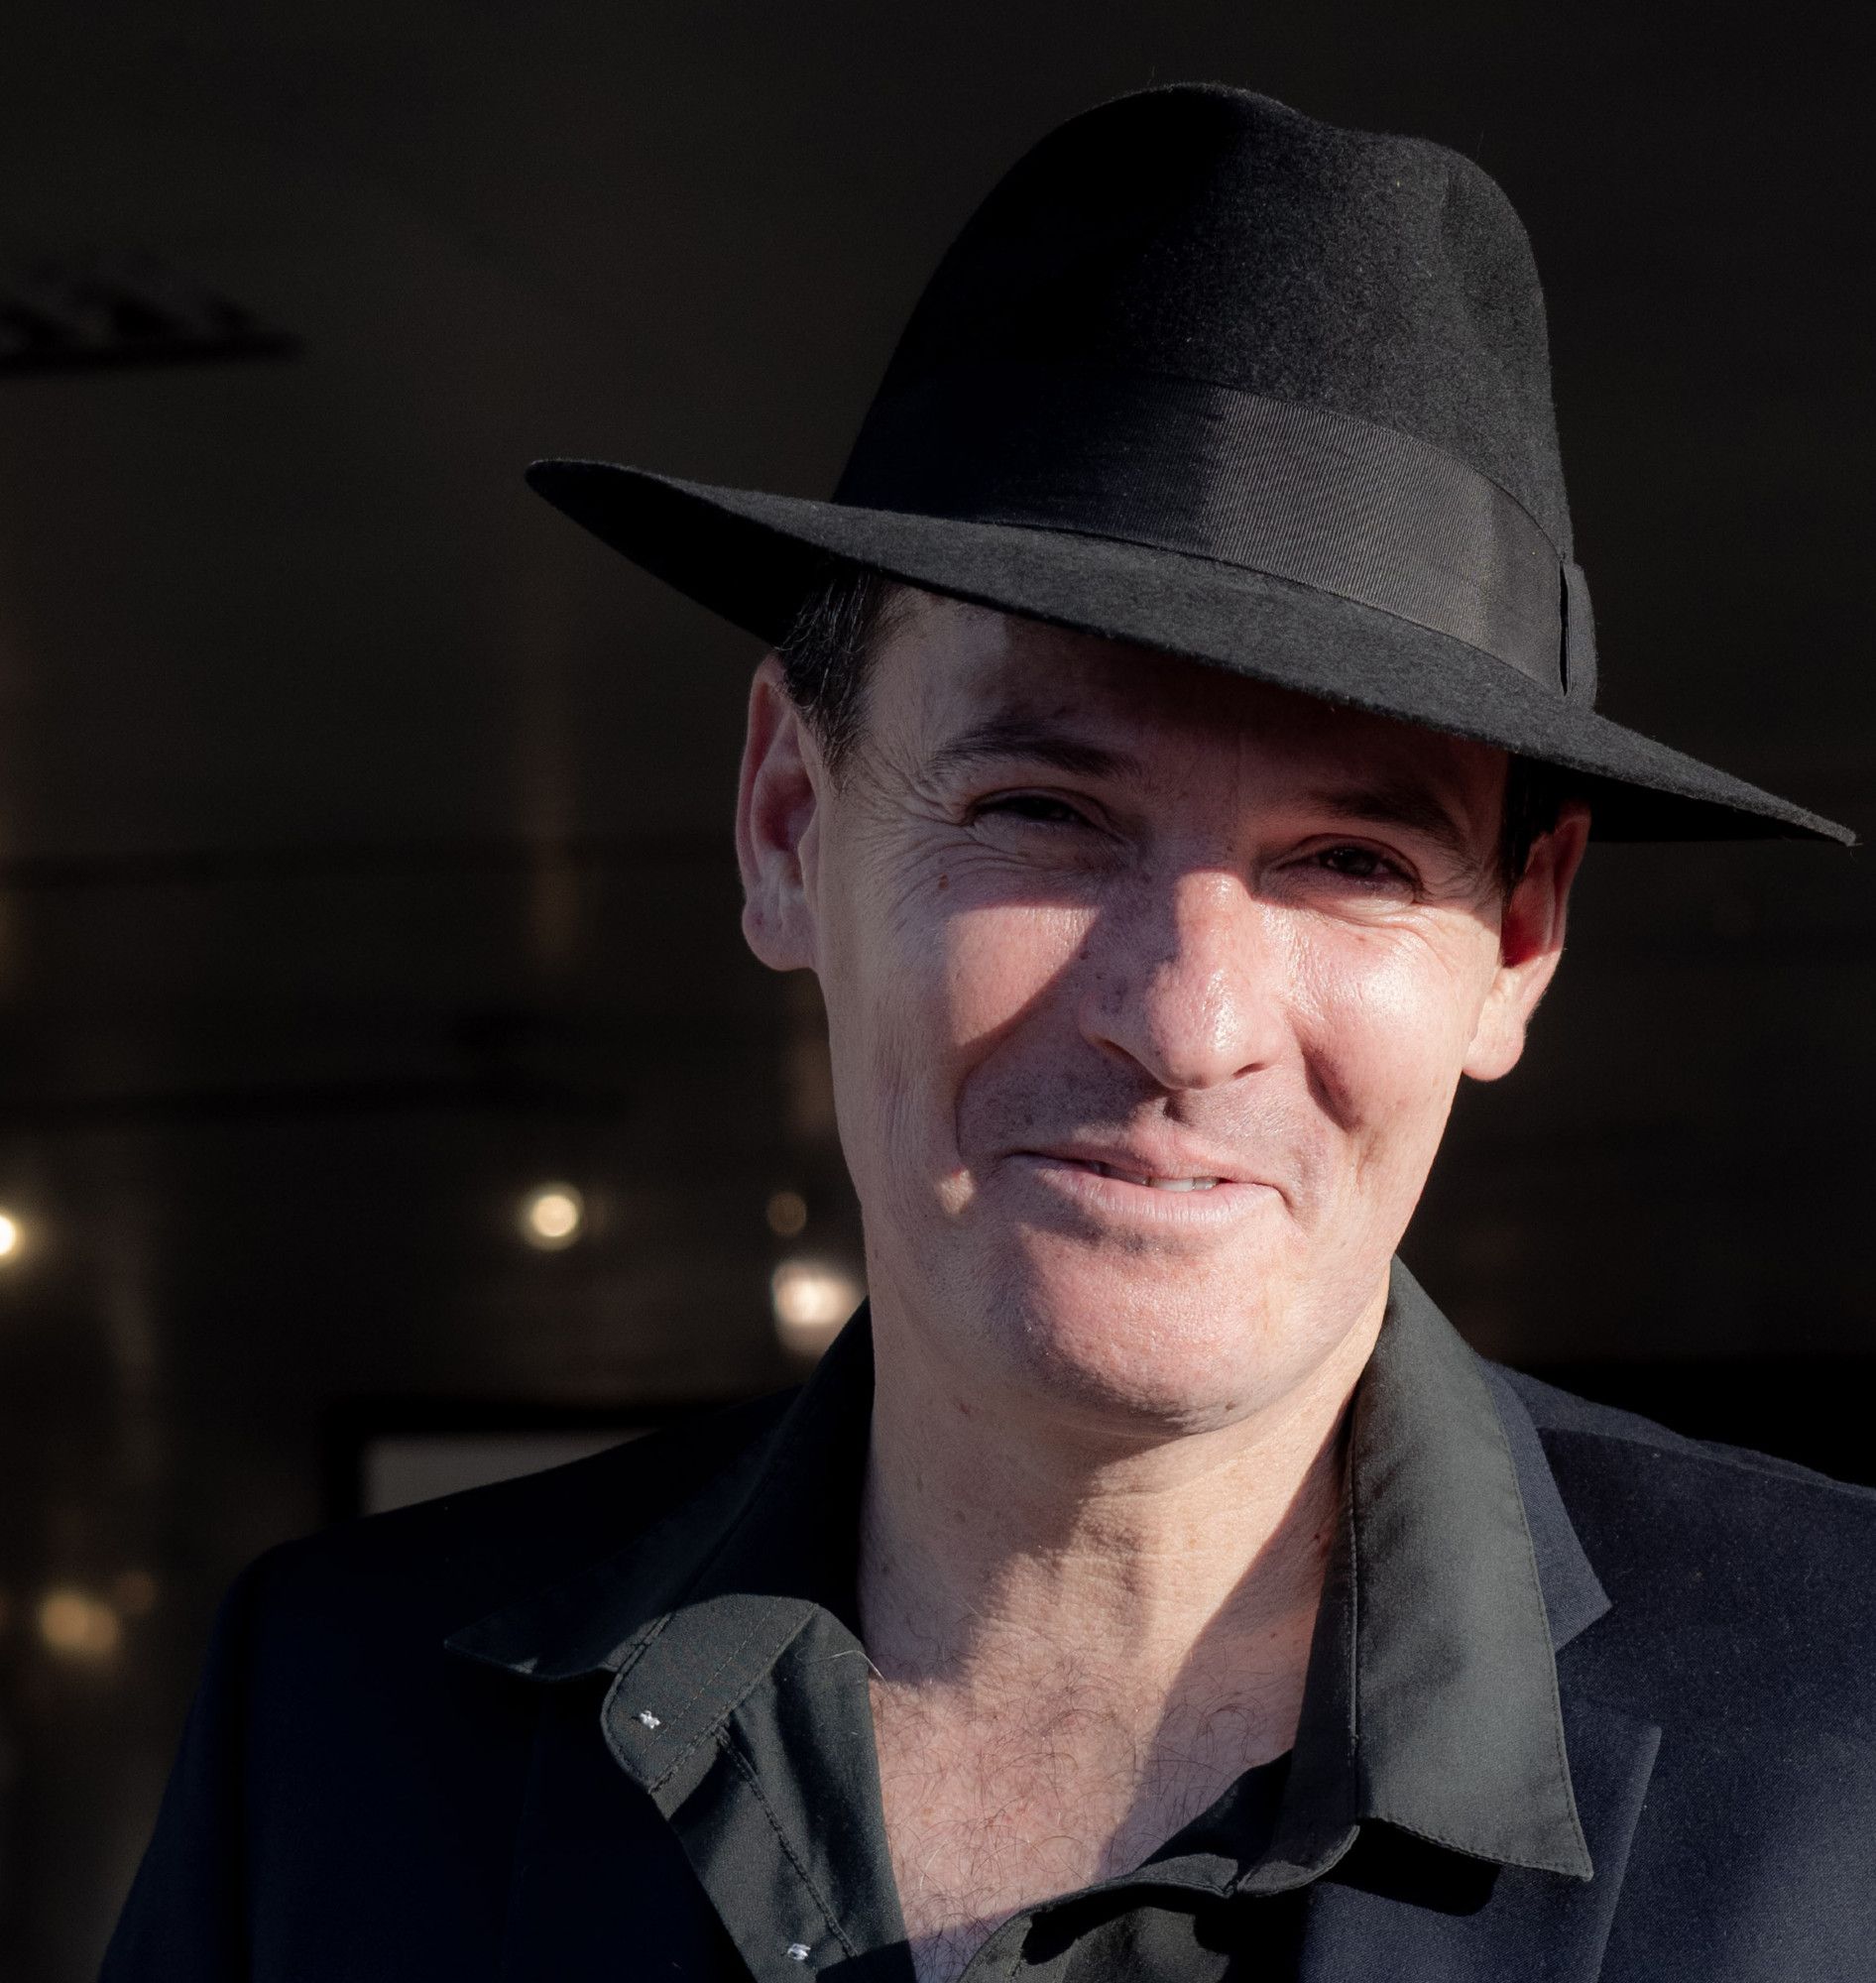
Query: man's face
[[1150, 988]]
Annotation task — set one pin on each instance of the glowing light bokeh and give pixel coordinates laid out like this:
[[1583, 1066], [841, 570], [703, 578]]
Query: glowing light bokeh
[[76, 1625], [786, 1212], [553, 1215], [812, 1297]]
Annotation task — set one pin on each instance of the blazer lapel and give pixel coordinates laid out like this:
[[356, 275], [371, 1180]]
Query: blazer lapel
[[596, 1870]]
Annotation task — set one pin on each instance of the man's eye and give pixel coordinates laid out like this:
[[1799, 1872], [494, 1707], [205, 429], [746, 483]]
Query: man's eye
[[1035, 806], [1358, 864]]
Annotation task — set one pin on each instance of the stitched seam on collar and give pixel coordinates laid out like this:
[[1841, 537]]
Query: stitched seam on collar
[[703, 1687], [647, 1640], [729, 1749], [1469, 1851]]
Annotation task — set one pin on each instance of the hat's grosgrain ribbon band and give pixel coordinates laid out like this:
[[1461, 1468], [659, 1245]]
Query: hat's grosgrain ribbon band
[[1296, 492]]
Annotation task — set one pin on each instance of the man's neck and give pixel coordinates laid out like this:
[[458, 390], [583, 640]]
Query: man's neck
[[999, 1539], [1080, 1638]]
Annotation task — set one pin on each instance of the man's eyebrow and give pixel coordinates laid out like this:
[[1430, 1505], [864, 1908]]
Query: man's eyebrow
[[1394, 802], [1391, 803], [1001, 739]]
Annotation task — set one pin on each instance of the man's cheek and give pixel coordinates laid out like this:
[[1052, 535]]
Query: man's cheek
[[1385, 1063], [997, 965]]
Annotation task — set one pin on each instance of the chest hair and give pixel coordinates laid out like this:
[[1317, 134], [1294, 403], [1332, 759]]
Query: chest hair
[[994, 1804]]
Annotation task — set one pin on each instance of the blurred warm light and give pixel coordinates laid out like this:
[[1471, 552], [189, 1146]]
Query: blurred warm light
[[812, 1298], [787, 1214], [135, 1594], [9, 1236], [553, 1215], [78, 1626]]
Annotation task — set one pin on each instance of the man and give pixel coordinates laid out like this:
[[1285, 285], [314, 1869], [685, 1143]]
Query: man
[[1173, 761]]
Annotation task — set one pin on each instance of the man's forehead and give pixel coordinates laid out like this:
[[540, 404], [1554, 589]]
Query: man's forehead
[[990, 684]]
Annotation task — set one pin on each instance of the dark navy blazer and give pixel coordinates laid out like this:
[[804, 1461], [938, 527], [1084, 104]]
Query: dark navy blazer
[[1586, 1700]]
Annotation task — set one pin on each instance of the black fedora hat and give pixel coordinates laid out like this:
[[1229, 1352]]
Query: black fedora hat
[[1209, 376]]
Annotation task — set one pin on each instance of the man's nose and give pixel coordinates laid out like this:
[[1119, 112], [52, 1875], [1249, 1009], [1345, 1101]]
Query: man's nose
[[1187, 980]]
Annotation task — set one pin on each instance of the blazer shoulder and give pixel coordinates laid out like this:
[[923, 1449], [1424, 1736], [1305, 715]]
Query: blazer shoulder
[[1631, 1441], [430, 1568], [1742, 1586]]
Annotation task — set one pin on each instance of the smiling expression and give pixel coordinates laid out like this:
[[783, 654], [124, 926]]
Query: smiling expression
[[1150, 988]]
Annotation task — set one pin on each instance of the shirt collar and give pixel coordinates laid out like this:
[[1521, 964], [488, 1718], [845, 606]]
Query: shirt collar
[[1431, 1700], [776, 1528]]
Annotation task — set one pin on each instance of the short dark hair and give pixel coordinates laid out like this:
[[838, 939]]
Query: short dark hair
[[850, 612], [844, 618]]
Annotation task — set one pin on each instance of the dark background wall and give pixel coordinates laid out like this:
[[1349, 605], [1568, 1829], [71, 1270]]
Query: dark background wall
[[364, 853]]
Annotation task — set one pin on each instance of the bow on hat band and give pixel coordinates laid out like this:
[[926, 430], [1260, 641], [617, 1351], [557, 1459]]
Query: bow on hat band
[[1296, 492]]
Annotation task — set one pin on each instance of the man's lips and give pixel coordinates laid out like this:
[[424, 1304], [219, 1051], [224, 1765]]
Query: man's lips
[[1152, 1183], [1154, 1169]]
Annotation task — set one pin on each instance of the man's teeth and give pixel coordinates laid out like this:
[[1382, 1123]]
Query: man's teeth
[[1157, 1183]]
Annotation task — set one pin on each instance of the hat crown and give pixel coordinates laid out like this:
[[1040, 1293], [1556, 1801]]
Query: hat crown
[[1205, 233], [1206, 376]]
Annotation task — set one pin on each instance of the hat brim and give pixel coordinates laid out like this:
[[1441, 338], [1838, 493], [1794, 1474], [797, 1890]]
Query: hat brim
[[751, 556]]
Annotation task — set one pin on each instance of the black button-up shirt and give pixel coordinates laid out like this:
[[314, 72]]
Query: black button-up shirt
[[1430, 1749]]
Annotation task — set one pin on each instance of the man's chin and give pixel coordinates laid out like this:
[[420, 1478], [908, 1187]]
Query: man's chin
[[1178, 1354]]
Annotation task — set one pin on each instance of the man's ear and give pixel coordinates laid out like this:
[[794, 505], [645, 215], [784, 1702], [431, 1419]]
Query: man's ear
[[778, 809], [1530, 945]]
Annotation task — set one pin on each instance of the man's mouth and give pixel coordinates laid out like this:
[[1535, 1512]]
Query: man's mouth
[[1153, 1183], [1140, 1171]]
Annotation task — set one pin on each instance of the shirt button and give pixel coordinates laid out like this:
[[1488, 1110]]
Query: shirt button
[[649, 1719], [798, 1951]]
